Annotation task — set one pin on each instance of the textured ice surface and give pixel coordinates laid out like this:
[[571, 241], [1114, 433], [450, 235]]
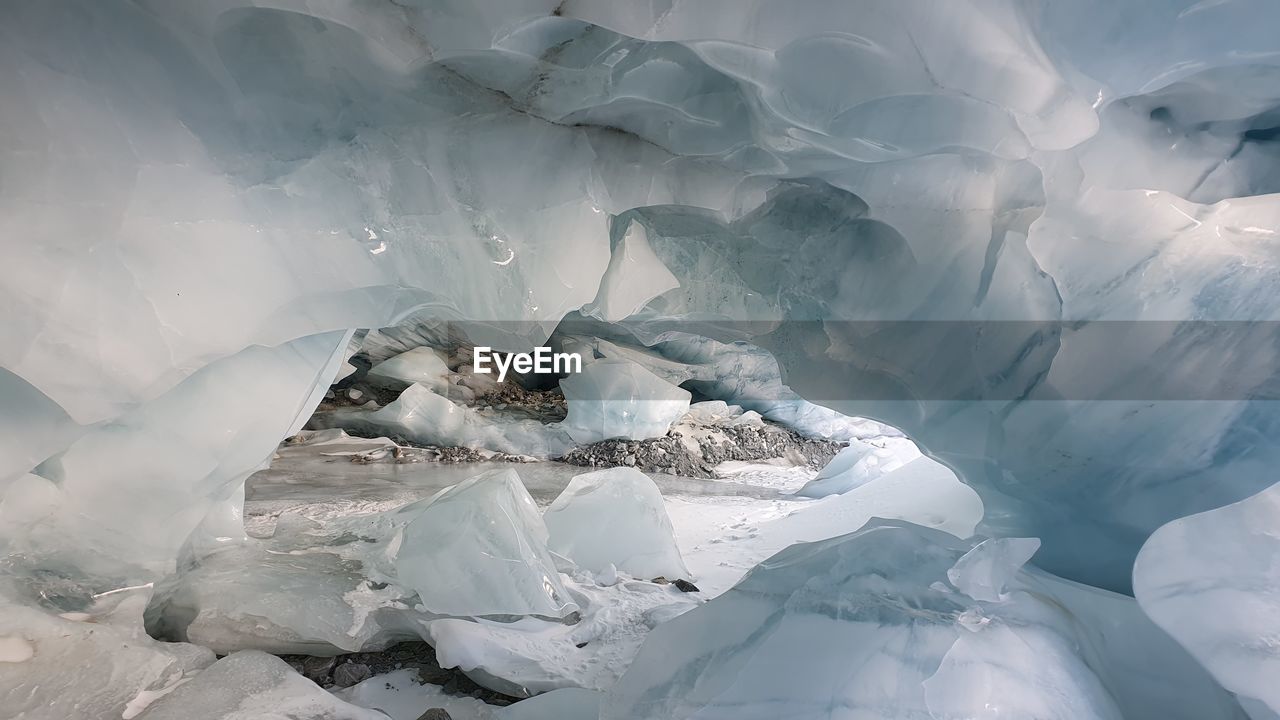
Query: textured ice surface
[[620, 399], [867, 625], [479, 548], [985, 571], [205, 185], [1213, 583], [532, 655], [614, 518], [201, 201], [262, 596]]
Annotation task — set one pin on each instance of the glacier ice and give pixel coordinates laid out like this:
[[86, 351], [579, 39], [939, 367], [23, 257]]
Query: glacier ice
[[620, 398], [1037, 237], [479, 548], [420, 366], [427, 417], [985, 571], [88, 658], [458, 164], [859, 463], [868, 625], [252, 684], [265, 597], [634, 277], [1210, 581], [614, 519]]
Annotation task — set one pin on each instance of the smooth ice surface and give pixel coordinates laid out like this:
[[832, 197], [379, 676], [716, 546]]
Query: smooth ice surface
[[563, 704], [479, 548], [866, 625], [1212, 581], [860, 463], [620, 399], [421, 365], [615, 519], [634, 277]]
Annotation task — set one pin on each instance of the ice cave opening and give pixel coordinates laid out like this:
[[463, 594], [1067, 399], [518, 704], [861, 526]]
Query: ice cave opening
[[924, 359]]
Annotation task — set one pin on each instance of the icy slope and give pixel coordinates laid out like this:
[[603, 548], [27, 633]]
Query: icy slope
[[879, 623]]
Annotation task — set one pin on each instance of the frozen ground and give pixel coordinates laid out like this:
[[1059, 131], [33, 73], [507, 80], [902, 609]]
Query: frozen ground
[[722, 527]]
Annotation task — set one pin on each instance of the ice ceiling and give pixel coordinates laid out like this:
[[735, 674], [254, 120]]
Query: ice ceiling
[[1029, 234]]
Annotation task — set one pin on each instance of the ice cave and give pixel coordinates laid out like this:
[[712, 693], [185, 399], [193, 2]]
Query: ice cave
[[921, 359]]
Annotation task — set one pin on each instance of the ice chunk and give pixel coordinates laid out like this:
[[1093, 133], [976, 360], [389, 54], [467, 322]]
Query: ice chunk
[[984, 571], [432, 419], [252, 684], [865, 623], [1212, 582], [620, 399], [479, 548], [422, 366], [615, 519], [858, 464], [254, 596]]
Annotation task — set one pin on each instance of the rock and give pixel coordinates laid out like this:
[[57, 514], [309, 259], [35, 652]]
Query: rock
[[685, 586], [660, 581], [319, 669], [416, 655], [354, 394], [436, 714], [348, 674], [707, 446]]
